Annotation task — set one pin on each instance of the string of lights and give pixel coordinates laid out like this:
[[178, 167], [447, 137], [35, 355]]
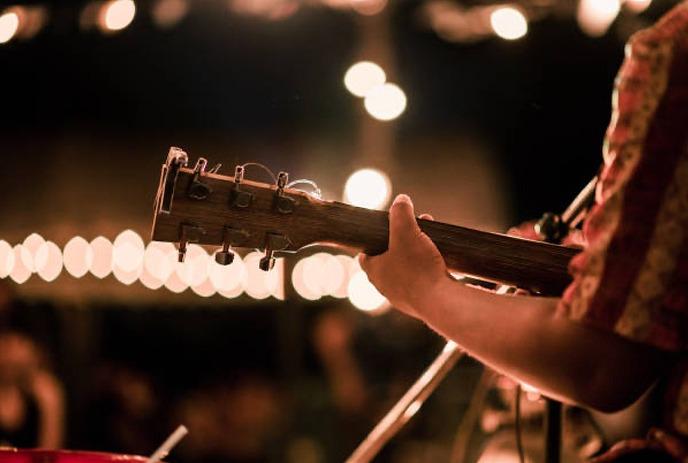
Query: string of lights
[[155, 266]]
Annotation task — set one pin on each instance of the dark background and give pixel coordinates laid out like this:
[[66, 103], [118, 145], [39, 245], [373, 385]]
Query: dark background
[[86, 119]]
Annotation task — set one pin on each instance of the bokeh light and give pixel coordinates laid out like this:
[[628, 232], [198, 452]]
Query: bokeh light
[[228, 278], [9, 24], [159, 259], [175, 284], [205, 289], [304, 288], [115, 15], [595, 16], [167, 13], [258, 285], [509, 23], [385, 102], [368, 7], [148, 280], [30, 247], [48, 261], [128, 250], [364, 296], [78, 256], [20, 272], [6, 259], [127, 277], [194, 270], [101, 266], [368, 188], [637, 6], [362, 77]]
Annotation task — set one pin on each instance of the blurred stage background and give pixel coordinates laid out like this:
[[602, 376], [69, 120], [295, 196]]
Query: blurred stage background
[[488, 131]]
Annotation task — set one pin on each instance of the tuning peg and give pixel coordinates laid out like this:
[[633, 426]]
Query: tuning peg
[[197, 189], [225, 256], [188, 233], [267, 262]]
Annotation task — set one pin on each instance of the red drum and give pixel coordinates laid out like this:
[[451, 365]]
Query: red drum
[[11, 455]]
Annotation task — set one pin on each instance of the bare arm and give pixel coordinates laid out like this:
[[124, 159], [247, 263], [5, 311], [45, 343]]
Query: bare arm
[[517, 335]]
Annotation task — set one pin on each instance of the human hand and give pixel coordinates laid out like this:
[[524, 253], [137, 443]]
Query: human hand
[[412, 267]]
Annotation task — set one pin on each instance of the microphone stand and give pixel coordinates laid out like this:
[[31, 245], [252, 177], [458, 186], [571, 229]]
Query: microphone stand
[[553, 228]]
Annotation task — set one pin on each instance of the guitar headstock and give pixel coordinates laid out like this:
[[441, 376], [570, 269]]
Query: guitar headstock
[[197, 205]]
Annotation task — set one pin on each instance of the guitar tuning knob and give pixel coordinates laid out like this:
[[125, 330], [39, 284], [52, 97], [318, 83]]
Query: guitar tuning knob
[[224, 257], [268, 262]]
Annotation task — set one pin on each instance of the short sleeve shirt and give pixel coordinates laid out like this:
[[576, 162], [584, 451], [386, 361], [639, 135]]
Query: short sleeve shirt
[[632, 276]]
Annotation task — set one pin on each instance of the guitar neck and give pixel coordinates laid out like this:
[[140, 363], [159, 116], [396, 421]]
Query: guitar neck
[[533, 265]]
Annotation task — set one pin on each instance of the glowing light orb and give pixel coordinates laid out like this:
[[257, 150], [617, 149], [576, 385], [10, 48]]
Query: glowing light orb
[[368, 7], [127, 277], [194, 270], [117, 14], [362, 77], [9, 25], [368, 188], [167, 13], [20, 272], [6, 259], [78, 256], [509, 23], [48, 261], [175, 284], [347, 264], [307, 290], [595, 16], [364, 296], [30, 246], [258, 285], [637, 6], [101, 266], [205, 289], [227, 278], [231, 294], [323, 273], [159, 259], [128, 250], [385, 102], [150, 281]]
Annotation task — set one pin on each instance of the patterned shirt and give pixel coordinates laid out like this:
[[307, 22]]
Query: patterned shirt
[[632, 277]]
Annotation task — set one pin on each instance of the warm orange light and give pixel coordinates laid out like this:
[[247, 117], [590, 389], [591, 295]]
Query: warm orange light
[[194, 270], [20, 272], [101, 266], [362, 77], [369, 188], [148, 280], [364, 296], [298, 280], [128, 250], [9, 24], [228, 278], [509, 23], [595, 16], [205, 289], [127, 277], [256, 279], [30, 247], [78, 256], [159, 259], [637, 6], [167, 13], [117, 14], [175, 284], [368, 7], [385, 102], [6, 259], [48, 261]]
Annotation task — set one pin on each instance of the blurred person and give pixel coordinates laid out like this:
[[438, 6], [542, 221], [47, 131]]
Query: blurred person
[[622, 324], [31, 398]]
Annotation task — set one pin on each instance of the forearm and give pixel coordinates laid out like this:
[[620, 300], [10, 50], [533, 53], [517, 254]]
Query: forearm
[[522, 337]]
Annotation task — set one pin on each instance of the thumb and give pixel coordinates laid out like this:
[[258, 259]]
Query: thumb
[[402, 223]]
